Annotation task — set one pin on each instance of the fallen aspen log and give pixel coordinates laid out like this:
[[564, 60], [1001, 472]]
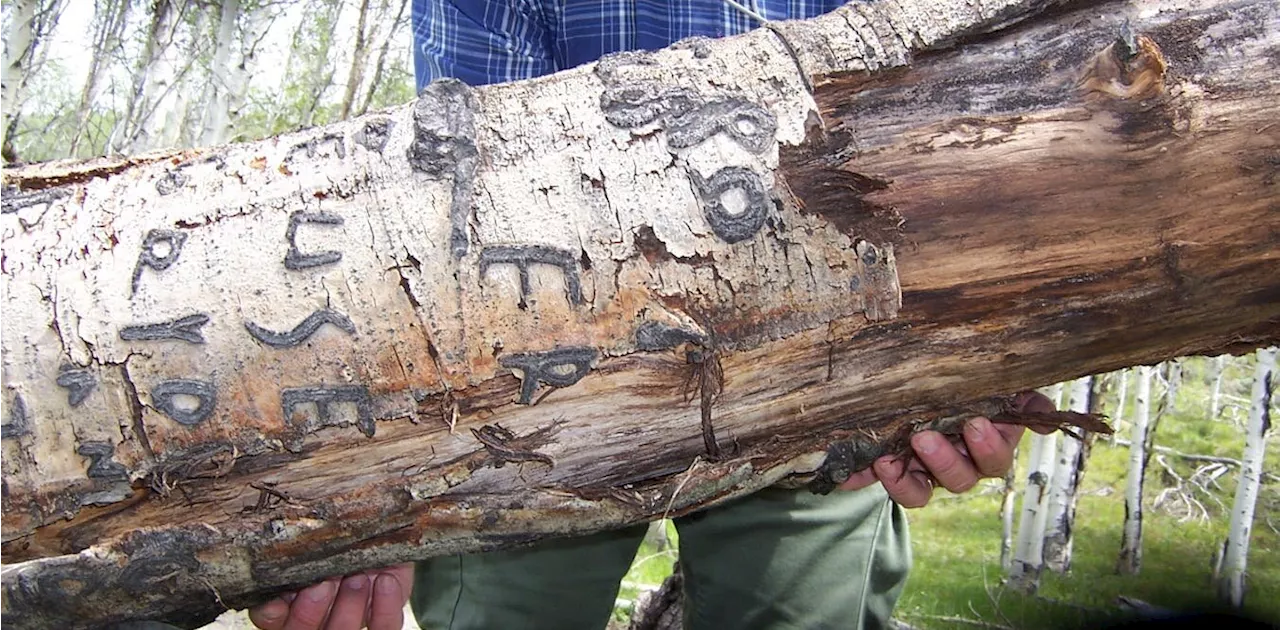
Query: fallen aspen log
[[628, 290]]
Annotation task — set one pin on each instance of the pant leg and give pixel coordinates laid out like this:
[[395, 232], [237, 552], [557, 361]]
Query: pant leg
[[566, 584], [791, 560]]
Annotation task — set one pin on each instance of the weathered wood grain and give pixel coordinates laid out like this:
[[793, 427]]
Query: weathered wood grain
[[234, 370]]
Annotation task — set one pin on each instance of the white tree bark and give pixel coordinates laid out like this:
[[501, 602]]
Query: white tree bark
[[1231, 581], [1130, 559], [227, 79], [1008, 501], [1121, 396], [110, 19], [142, 126], [366, 29], [355, 309], [1064, 486], [18, 43], [1215, 398], [1028, 554], [389, 35]]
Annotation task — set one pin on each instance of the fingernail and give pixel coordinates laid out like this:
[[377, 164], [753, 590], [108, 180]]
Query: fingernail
[[289, 597], [926, 442], [321, 592], [355, 582], [274, 611], [387, 585], [976, 429]]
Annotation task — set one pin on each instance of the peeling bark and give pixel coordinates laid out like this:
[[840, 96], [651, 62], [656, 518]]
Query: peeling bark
[[832, 233]]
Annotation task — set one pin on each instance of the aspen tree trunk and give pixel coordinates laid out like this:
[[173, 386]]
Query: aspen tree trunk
[[392, 31], [1064, 487], [152, 82], [1118, 417], [1028, 553], [1008, 501], [19, 43], [227, 77], [629, 290], [1232, 579], [359, 58], [1215, 399], [1130, 560], [110, 19]]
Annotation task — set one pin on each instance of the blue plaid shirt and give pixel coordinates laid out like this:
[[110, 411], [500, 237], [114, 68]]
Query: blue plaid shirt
[[492, 41]]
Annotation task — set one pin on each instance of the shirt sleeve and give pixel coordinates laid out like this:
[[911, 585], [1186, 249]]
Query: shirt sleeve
[[480, 41]]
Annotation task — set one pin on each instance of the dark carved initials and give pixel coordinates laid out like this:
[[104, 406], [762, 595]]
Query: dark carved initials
[[750, 125], [183, 329], [101, 465], [312, 146], [652, 336], [172, 239], [525, 256], [731, 227], [295, 259], [164, 397], [19, 423], [444, 143], [302, 331], [561, 367], [79, 383], [323, 396]]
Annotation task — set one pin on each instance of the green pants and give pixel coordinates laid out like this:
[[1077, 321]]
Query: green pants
[[779, 559]]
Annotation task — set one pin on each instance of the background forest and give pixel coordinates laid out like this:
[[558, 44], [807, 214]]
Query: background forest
[[84, 78]]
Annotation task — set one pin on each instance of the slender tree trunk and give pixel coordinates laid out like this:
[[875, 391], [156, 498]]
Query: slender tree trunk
[[1028, 555], [226, 77], [633, 289], [392, 35], [1121, 397], [1008, 501], [1064, 488], [321, 69], [1231, 581], [1172, 372], [359, 54], [110, 19], [1130, 560], [153, 80], [19, 43], [1215, 399]]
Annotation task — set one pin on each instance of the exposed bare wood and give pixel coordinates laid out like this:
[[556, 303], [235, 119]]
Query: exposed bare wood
[[315, 363]]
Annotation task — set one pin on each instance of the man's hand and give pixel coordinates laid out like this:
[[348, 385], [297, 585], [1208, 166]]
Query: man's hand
[[373, 599], [986, 451]]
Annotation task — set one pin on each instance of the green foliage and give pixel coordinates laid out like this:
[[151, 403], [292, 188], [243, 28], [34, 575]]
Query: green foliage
[[957, 579], [956, 543]]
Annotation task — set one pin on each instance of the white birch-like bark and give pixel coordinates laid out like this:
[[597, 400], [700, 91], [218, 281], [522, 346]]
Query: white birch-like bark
[[1215, 399], [365, 31], [417, 332], [184, 124], [1064, 487], [1028, 554], [1130, 560], [1172, 371], [371, 88], [142, 126], [1231, 579], [226, 77], [110, 17], [18, 43], [1008, 500], [1121, 397]]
